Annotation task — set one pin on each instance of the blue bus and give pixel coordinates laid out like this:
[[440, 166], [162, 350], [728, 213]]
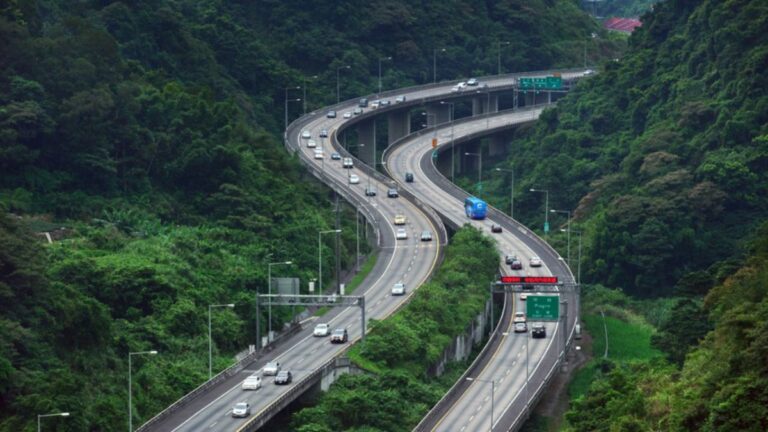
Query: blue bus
[[475, 208]]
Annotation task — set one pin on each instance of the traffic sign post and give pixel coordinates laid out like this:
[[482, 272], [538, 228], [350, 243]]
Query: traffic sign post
[[543, 307], [546, 227]]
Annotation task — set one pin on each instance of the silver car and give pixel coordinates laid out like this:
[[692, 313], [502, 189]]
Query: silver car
[[272, 368], [241, 409]]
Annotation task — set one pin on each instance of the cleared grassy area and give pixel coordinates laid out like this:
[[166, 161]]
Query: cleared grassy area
[[626, 341], [365, 269]]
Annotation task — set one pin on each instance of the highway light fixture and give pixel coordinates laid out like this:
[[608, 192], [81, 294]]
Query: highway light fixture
[[546, 209], [40, 416], [269, 283], [453, 152], [338, 93], [313, 77], [210, 337], [320, 258], [380, 60], [130, 384], [434, 63], [479, 171], [511, 191], [498, 51], [493, 390], [568, 229]]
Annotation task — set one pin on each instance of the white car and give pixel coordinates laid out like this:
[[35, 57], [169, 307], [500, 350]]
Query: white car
[[348, 114], [272, 368], [311, 143], [398, 289], [241, 409], [347, 163], [523, 296], [354, 179], [472, 82], [521, 327], [402, 234], [319, 154], [519, 317], [535, 262], [322, 330], [306, 134], [400, 99], [253, 382]]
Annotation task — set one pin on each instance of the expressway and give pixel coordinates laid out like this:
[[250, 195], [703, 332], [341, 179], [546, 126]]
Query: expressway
[[518, 356], [407, 260]]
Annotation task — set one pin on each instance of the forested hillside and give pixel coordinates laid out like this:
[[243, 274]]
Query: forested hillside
[[146, 136], [663, 156]]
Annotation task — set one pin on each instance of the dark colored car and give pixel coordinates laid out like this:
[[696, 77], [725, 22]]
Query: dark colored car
[[392, 193], [538, 331], [496, 228], [339, 335], [516, 264], [363, 103], [335, 156], [331, 114], [409, 177], [283, 378]]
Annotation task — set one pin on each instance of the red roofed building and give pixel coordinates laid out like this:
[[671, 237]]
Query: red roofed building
[[626, 25]]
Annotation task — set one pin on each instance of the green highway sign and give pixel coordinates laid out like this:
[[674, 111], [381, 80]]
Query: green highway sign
[[541, 83], [543, 307]]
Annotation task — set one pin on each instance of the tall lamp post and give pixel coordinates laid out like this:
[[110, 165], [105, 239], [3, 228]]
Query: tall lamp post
[[320, 258], [578, 265], [453, 152], [338, 91], [269, 284], [130, 385], [511, 191], [380, 60], [286, 102], [568, 229], [313, 77], [546, 209], [498, 54], [434, 63], [39, 416], [210, 337], [479, 171], [493, 390]]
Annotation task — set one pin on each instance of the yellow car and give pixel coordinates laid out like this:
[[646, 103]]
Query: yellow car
[[399, 220]]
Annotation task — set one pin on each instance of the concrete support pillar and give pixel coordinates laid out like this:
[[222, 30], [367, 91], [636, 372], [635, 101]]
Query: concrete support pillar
[[493, 103], [398, 125], [438, 113], [366, 134], [497, 145], [483, 103]]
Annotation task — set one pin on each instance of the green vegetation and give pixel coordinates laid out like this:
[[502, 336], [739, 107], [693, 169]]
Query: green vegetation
[[722, 384], [621, 8], [399, 351], [661, 155]]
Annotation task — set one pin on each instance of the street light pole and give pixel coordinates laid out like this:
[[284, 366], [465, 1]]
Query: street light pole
[[498, 58], [479, 172], [320, 258], [493, 390], [269, 306], [130, 385], [314, 77], [39, 416], [434, 63], [380, 59], [286, 102], [546, 209], [511, 191], [338, 91], [453, 152], [578, 272], [568, 212], [210, 337]]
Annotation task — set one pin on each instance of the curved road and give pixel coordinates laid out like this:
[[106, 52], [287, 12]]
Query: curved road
[[409, 261], [507, 368]]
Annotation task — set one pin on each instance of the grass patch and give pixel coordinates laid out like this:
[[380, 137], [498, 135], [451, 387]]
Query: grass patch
[[626, 341], [582, 380], [357, 279]]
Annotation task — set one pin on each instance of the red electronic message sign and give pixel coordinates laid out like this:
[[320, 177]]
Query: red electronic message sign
[[539, 280]]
